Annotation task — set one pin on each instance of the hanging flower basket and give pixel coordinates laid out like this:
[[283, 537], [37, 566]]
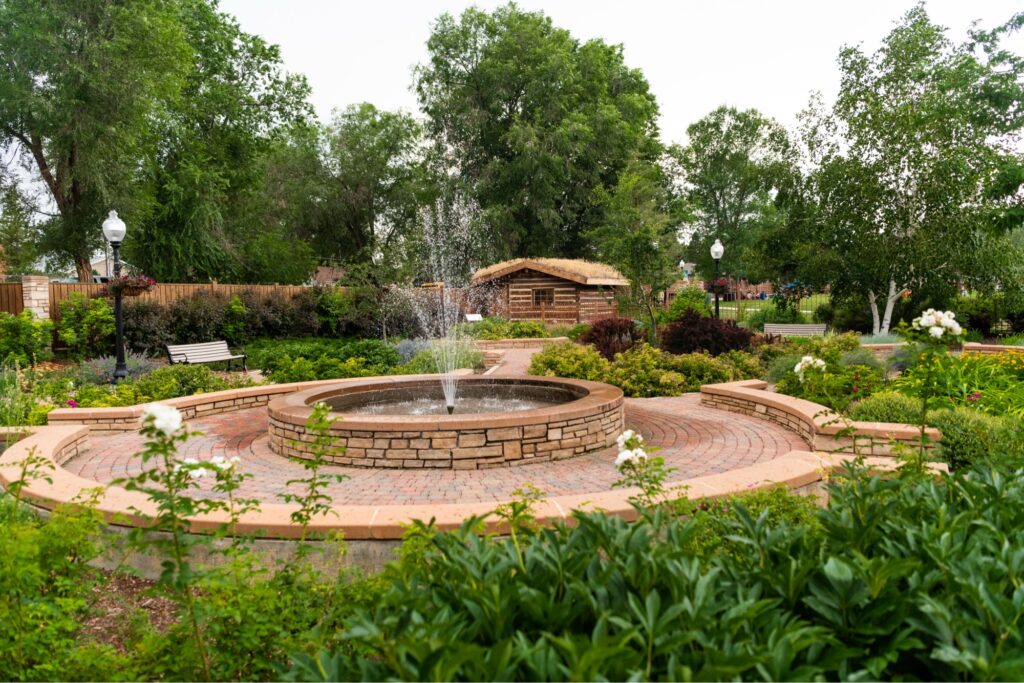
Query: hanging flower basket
[[719, 286], [128, 285]]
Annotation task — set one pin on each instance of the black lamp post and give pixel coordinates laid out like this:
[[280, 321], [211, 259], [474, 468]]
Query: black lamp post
[[717, 249], [114, 230]]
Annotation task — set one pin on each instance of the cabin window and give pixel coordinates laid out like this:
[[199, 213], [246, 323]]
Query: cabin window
[[543, 297]]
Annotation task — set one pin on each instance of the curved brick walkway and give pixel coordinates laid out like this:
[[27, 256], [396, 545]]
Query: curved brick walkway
[[694, 439]]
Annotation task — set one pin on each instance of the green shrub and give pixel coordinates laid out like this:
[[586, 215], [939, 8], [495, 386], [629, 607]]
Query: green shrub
[[325, 367], [424, 362], [743, 365], [23, 339], [15, 403], [772, 314], [835, 387], [577, 331], [972, 438], [270, 354], [146, 327], [644, 371], [173, 381], [860, 356], [86, 326], [903, 577], [886, 406], [569, 360], [687, 299], [497, 328], [236, 326]]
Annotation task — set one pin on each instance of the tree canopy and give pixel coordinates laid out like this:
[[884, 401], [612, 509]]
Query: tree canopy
[[534, 123]]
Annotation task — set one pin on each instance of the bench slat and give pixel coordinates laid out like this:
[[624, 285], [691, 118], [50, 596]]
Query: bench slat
[[796, 330], [206, 352]]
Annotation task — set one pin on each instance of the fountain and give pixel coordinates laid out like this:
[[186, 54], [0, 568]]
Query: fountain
[[449, 236]]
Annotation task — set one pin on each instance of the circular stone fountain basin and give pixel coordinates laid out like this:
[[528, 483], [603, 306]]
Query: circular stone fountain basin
[[402, 422]]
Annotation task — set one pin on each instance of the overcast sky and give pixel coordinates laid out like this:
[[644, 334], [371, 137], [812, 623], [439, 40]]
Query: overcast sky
[[696, 55]]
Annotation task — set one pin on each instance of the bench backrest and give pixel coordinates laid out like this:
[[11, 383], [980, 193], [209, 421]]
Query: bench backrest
[[794, 330], [198, 353]]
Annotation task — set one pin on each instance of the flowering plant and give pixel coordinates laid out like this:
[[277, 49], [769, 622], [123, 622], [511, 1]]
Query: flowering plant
[[808, 363], [719, 286], [631, 449], [128, 285], [934, 327]]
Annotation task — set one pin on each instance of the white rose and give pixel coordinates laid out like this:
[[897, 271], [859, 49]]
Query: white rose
[[955, 329], [926, 320], [166, 419], [936, 331]]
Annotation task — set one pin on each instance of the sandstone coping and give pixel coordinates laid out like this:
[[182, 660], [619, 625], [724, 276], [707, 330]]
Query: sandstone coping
[[525, 343], [976, 347], [129, 418], [587, 424], [819, 426], [803, 472]]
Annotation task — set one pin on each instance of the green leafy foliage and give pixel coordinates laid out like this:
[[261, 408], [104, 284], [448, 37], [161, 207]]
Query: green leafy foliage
[[834, 387], [644, 371], [23, 339], [235, 316], [496, 328], [856, 593], [271, 355], [569, 360], [885, 406], [425, 362], [86, 326], [687, 299]]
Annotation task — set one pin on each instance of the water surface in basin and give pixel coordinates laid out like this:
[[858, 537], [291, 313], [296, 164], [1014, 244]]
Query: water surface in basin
[[472, 398], [432, 406]]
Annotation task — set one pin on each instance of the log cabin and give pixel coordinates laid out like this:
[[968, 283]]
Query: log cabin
[[561, 291]]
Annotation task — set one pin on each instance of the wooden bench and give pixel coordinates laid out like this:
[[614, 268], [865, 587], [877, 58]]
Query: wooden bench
[[209, 352], [794, 330]]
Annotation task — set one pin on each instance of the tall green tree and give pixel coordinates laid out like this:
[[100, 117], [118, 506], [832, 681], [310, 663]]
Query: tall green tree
[[909, 160], [378, 180], [640, 236], [81, 83], [732, 167], [19, 238], [535, 123], [207, 175]]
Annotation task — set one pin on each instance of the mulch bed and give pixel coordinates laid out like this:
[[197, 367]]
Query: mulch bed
[[117, 599]]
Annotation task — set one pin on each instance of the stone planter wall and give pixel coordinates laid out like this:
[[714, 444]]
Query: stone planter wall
[[818, 426]]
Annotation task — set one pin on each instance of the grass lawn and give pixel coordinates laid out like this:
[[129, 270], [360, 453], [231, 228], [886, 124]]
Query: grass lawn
[[740, 310]]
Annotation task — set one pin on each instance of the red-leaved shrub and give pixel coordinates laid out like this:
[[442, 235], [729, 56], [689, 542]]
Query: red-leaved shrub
[[611, 336], [693, 333]]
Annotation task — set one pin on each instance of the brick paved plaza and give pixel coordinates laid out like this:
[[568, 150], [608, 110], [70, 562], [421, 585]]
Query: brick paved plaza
[[694, 439]]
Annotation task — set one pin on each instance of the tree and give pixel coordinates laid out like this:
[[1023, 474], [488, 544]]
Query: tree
[[909, 158], [80, 86], [378, 179], [731, 167], [18, 237], [640, 237], [207, 175], [535, 124]]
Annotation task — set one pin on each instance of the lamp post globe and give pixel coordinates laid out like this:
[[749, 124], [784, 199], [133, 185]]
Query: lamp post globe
[[717, 250], [114, 231]]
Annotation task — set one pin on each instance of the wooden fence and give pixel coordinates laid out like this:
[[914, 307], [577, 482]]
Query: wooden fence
[[163, 294], [11, 298]]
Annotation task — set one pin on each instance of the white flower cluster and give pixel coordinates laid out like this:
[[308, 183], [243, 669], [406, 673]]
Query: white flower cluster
[[808, 362], [631, 448], [938, 323], [198, 469], [167, 419]]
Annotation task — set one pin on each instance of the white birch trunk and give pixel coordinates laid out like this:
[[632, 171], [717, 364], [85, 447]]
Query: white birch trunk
[[873, 303], [890, 303]]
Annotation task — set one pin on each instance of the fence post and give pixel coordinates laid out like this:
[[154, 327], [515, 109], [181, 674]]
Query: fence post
[[35, 295]]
